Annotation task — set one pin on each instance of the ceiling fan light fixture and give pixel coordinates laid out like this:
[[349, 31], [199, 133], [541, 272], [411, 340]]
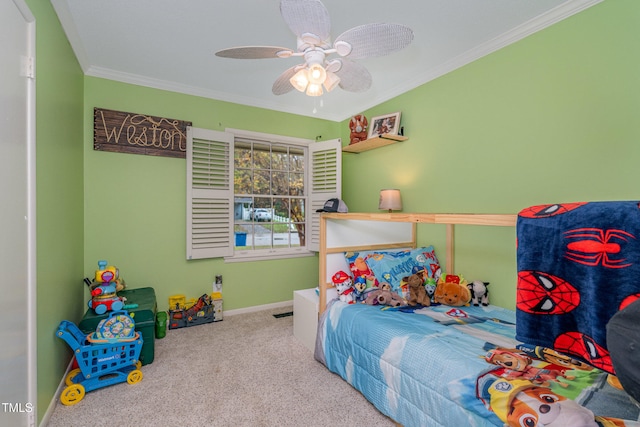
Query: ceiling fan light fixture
[[314, 89], [331, 81], [300, 81], [317, 74]]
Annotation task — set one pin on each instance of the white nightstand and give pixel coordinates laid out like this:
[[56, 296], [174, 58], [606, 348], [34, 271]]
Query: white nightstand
[[305, 316]]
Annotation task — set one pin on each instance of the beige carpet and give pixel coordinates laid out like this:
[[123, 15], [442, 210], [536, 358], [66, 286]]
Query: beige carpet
[[247, 370]]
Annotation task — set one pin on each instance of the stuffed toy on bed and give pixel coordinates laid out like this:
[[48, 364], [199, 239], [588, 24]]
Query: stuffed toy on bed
[[384, 297], [417, 291], [479, 292], [344, 285], [452, 290]]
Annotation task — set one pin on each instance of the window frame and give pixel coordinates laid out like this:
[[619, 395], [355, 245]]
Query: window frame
[[314, 195], [273, 253]]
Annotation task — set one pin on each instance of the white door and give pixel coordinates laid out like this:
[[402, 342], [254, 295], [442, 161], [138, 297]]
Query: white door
[[17, 215]]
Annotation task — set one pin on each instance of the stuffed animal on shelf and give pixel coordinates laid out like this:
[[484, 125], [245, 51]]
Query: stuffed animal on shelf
[[479, 293], [384, 297], [452, 290], [417, 291], [344, 285], [358, 126]]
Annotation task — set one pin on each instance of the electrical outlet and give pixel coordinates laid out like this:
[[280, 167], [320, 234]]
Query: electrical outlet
[[217, 284]]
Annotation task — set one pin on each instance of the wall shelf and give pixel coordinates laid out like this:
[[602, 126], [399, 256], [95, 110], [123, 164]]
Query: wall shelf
[[371, 143]]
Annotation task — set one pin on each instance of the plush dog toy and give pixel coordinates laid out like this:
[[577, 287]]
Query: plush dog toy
[[452, 290], [384, 297], [344, 285], [417, 291], [479, 292], [358, 126]]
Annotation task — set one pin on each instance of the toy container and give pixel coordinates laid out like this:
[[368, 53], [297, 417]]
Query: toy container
[[144, 316]]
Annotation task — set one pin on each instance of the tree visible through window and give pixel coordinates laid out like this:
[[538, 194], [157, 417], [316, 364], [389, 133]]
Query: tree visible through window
[[269, 195]]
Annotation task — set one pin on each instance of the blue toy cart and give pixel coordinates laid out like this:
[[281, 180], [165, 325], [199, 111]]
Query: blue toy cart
[[101, 363]]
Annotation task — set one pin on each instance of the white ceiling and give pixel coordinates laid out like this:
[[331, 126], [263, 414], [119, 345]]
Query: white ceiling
[[170, 44]]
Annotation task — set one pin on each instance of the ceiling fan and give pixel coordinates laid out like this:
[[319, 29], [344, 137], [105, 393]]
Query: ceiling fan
[[309, 20]]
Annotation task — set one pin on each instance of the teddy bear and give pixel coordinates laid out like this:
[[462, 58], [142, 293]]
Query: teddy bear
[[358, 126], [384, 297], [479, 292], [417, 291], [452, 290]]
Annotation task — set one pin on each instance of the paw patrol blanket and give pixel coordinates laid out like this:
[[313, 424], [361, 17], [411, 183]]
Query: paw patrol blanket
[[578, 264], [444, 366]]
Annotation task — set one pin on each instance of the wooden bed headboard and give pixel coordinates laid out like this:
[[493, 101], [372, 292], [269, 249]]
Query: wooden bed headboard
[[345, 232]]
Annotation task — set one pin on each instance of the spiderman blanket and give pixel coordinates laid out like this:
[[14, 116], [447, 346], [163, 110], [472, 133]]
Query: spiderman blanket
[[578, 264]]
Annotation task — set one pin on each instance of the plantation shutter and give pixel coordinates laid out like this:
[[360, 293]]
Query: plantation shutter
[[325, 182], [209, 194]]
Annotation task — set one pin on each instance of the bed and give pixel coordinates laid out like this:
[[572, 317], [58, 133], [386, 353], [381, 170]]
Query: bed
[[451, 366]]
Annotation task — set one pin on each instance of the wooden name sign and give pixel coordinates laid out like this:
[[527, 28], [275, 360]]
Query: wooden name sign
[[139, 134]]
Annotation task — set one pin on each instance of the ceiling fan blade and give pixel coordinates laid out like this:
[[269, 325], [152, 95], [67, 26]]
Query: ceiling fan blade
[[354, 77], [306, 16], [282, 84], [371, 40], [255, 52]]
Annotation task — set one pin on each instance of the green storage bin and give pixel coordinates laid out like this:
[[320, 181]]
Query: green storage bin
[[144, 316]]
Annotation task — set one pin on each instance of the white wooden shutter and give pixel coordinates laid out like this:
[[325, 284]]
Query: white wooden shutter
[[325, 182], [209, 193]]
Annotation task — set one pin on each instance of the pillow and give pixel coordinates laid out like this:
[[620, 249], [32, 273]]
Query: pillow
[[392, 266], [358, 267]]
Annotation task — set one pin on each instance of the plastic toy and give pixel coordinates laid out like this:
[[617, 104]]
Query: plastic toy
[[100, 364], [103, 290], [181, 316], [117, 327]]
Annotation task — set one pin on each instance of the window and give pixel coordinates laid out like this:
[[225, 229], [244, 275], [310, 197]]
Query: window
[[254, 196]]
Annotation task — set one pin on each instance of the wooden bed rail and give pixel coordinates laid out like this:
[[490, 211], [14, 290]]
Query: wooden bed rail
[[447, 219]]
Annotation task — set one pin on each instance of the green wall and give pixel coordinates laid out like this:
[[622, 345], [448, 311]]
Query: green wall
[[59, 196], [135, 214], [552, 118]]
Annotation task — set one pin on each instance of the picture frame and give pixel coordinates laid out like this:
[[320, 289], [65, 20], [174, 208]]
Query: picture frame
[[387, 124]]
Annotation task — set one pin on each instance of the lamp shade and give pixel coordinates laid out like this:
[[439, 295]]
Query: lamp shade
[[331, 81], [390, 199], [300, 80]]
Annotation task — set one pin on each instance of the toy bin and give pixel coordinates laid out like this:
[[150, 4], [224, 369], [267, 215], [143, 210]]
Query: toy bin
[[141, 305]]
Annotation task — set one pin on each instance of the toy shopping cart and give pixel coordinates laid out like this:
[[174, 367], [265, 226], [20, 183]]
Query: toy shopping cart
[[102, 362]]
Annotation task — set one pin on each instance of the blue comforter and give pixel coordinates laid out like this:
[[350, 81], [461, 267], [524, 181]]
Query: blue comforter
[[420, 366]]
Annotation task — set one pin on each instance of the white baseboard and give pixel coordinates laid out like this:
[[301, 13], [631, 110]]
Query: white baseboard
[[257, 308], [56, 397]]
